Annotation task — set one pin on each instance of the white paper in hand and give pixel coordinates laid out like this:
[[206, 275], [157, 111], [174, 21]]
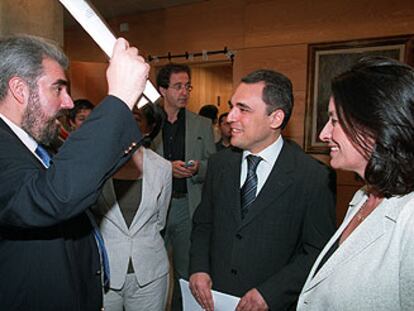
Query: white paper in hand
[[94, 25], [222, 301]]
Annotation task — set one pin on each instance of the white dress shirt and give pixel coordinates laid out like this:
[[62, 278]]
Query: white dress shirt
[[269, 156], [26, 139]]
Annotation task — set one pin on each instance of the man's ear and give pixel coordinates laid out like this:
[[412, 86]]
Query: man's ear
[[19, 89], [162, 91], [277, 118]]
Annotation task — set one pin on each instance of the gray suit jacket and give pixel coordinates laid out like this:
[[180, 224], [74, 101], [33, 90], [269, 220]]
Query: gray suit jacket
[[142, 240], [199, 145], [373, 269]]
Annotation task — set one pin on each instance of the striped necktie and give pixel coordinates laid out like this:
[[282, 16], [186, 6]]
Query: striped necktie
[[248, 191]]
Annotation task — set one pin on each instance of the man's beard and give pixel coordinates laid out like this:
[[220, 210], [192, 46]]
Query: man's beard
[[44, 129]]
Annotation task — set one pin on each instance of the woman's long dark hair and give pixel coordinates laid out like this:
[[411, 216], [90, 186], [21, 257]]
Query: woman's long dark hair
[[374, 101]]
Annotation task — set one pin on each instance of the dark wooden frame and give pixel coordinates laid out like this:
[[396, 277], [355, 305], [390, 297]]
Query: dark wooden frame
[[327, 60]]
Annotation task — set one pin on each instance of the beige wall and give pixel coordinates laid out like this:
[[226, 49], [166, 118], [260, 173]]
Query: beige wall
[[41, 18], [264, 34]]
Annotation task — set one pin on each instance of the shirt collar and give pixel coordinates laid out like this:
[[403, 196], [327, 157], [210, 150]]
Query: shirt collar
[[27, 140], [180, 116], [270, 153]]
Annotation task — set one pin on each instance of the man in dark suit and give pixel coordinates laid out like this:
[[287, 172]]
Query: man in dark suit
[[259, 228], [49, 256]]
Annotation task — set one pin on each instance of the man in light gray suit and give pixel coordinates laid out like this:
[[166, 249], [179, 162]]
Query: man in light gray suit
[[187, 141]]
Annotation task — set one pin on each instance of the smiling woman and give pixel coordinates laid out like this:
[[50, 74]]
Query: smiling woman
[[344, 154], [367, 264]]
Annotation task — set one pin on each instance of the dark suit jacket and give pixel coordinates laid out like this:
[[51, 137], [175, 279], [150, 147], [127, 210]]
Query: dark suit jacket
[[274, 247], [48, 254]]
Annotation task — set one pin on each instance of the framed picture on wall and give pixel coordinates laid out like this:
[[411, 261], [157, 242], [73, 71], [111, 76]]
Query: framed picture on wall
[[327, 60]]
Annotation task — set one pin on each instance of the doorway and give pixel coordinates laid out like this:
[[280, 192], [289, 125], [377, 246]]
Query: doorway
[[212, 84]]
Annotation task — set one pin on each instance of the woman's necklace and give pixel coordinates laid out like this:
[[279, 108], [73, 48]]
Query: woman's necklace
[[362, 214], [369, 205]]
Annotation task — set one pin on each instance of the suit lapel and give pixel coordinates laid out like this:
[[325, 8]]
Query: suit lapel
[[187, 131], [231, 173], [279, 180], [191, 130], [113, 211], [146, 206], [21, 145], [381, 220]]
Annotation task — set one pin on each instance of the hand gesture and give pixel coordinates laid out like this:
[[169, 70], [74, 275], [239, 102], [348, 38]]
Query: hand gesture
[[127, 73]]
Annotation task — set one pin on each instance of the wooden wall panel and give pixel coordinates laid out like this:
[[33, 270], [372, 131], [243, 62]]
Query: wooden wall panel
[[286, 22], [88, 81], [211, 82], [290, 60], [206, 25]]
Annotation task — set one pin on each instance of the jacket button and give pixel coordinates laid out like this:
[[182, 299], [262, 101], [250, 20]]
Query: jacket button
[[238, 236], [233, 271], [98, 272]]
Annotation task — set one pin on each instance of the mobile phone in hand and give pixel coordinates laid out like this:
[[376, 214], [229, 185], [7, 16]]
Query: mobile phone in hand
[[189, 163]]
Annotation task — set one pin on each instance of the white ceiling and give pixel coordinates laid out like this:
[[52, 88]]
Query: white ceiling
[[114, 8]]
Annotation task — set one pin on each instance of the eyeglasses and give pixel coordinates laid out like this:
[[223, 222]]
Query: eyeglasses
[[178, 87]]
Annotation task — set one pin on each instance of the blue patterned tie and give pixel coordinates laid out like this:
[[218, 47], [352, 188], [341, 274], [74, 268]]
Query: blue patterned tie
[[104, 257], [248, 191], [102, 250], [43, 155]]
